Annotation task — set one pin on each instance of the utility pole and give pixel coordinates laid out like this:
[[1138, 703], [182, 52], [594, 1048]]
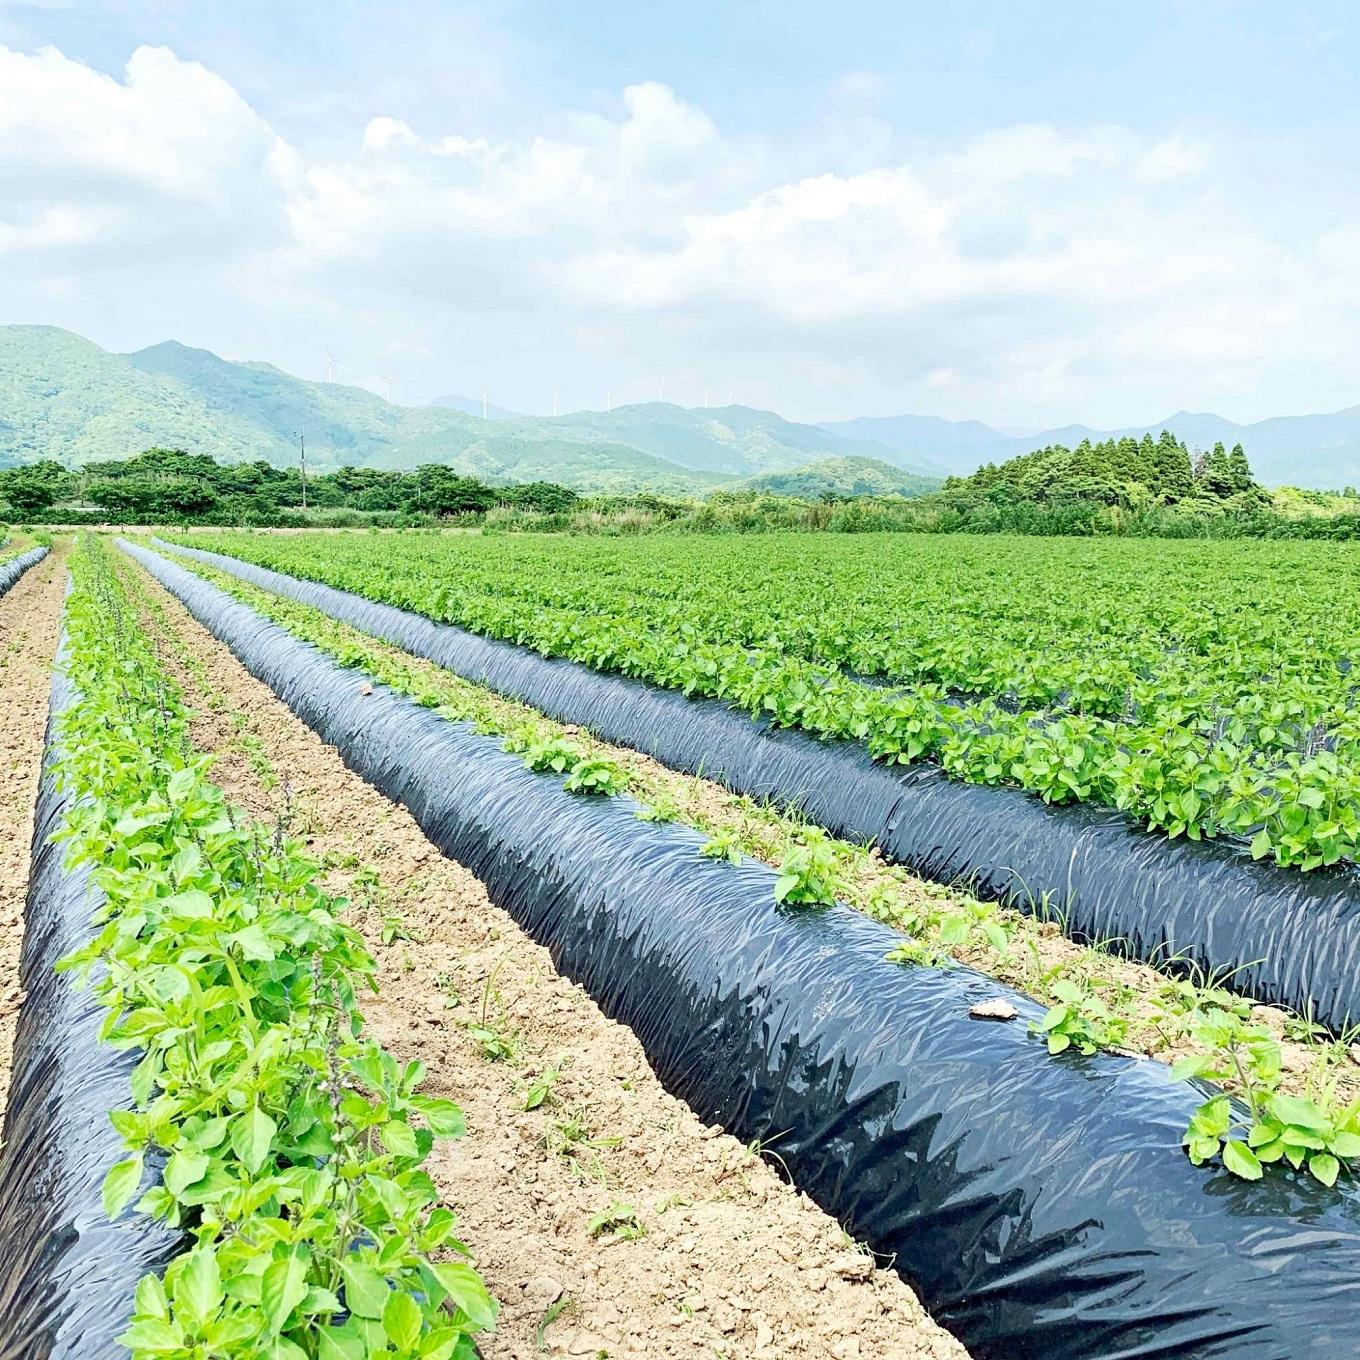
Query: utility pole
[[302, 458]]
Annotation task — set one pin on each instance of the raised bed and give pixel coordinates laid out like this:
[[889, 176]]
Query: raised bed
[[14, 568], [1040, 1207], [67, 1274], [1287, 938]]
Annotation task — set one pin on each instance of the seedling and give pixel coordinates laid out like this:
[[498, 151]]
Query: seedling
[[394, 928], [540, 1089], [1079, 1019], [725, 843], [618, 1223], [597, 775], [810, 874]]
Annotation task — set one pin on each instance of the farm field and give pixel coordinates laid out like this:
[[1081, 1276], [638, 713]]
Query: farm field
[[334, 941], [1204, 688], [599, 1209]]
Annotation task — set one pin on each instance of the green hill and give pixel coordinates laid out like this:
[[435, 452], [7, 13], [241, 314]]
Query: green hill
[[840, 477], [736, 441], [64, 398]]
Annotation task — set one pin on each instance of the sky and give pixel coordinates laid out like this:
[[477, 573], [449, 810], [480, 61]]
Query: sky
[[1029, 214]]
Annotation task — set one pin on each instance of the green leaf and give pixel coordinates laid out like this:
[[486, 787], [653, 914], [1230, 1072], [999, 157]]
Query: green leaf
[[1346, 1144], [194, 903], [120, 1185], [282, 1287], [366, 1290], [335, 1343], [443, 1116], [1241, 1160], [153, 1336], [198, 1286], [1295, 1110], [319, 1300], [401, 1320], [185, 1166], [281, 1348], [253, 944], [252, 1136], [467, 1290], [1324, 1167], [149, 1299], [399, 1139]]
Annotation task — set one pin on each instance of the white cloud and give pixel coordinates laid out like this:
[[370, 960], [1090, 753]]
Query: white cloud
[[170, 156], [1023, 265]]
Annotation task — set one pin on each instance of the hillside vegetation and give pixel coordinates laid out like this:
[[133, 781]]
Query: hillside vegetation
[[66, 399], [844, 478], [1131, 473]]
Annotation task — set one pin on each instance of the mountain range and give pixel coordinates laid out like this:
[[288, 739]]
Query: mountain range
[[65, 398], [1320, 451]]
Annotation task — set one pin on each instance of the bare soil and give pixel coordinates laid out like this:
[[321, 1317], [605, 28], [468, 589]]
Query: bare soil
[[706, 1251], [30, 620]]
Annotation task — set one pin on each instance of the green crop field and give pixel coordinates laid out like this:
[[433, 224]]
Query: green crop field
[[1205, 688]]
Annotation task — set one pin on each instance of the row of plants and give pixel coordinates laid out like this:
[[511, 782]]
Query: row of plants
[[285, 1142], [1216, 701], [1095, 1002]]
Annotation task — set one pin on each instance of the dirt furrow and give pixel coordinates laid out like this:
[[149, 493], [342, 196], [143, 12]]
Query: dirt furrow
[[30, 620], [607, 1219]]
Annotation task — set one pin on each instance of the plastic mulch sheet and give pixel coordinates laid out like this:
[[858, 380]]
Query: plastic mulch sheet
[[1042, 1208], [67, 1275]]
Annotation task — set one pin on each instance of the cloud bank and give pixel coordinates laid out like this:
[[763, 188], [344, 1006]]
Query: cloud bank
[[1026, 272]]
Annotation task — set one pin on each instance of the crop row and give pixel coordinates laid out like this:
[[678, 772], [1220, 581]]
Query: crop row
[[285, 1142], [1214, 700], [1090, 1008]]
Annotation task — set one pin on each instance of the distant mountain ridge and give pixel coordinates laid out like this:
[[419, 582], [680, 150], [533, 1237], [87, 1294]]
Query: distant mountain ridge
[[63, 397], [1320, 451]]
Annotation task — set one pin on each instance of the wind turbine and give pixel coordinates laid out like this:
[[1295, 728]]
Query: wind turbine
[[705, 399], [387, 385], [484, 403], [555, 397], [661, 389], [331, 362], [608, 401]]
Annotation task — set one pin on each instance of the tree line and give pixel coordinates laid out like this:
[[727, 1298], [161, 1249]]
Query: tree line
[[1130, 473], [169, 485]]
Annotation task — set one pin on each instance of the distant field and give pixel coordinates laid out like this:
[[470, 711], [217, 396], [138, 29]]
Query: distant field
[[1207, 688]]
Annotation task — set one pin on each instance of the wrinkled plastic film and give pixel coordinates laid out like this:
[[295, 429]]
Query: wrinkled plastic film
[[15, 567], [1042, 1208], [1287, 938], [67, 1274]]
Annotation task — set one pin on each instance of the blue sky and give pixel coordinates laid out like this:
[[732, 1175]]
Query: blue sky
[[1022, 213]]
